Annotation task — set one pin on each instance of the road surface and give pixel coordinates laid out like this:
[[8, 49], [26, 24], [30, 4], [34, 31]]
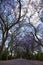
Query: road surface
[[21, 62]]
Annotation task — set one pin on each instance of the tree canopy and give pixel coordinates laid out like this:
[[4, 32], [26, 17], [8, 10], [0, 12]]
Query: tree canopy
[[21, 24]]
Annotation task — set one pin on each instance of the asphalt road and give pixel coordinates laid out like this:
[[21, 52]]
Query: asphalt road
[[21, 62]]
